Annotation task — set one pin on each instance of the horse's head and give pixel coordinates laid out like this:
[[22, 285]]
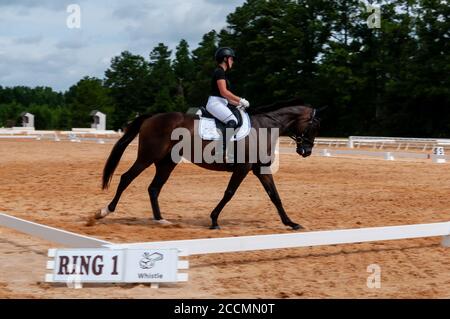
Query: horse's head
[[305, 131], [299, 122]]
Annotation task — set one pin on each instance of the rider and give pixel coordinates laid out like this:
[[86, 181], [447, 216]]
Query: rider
[[220, 95]]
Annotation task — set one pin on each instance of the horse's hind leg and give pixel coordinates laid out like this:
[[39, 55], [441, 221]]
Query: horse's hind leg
[[163, 170], [138, 167], [239, 173]]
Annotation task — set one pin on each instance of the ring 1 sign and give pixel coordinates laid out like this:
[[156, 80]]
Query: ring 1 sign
[[116, 266]]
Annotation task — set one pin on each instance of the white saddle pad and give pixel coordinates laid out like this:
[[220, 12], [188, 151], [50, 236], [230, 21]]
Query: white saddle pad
[[208, 131]]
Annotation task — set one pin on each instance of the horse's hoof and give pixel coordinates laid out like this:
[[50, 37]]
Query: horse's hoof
[[163, 222], [99, 214], [102, 213], [214, 227]]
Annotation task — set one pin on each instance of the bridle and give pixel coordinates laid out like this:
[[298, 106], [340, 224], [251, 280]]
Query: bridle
[[303, 137]]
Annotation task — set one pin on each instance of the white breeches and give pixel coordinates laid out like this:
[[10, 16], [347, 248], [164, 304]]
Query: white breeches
[[217, 106]]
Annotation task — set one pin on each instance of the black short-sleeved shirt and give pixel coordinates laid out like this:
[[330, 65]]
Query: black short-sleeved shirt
[[219, 74]]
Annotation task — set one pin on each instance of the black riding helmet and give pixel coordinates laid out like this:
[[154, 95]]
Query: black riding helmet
[[222, 53]]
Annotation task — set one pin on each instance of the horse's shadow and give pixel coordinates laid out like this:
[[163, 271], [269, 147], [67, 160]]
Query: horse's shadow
[[132, 221], [180, 222], [195, 223]]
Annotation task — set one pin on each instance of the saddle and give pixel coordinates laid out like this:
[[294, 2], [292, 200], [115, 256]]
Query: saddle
[[219, 124], [209, 125]]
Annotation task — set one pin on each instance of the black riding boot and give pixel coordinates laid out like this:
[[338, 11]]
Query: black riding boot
[[229, 160]]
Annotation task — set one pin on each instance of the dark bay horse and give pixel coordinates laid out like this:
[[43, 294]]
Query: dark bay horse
[[156, 143]]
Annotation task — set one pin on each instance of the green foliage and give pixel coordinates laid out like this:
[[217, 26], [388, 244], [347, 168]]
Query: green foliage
[[183, 66], [44, 117], [10, 113], [184, 69], [88, 95], [26, 96], [204, 64], [163, 82], [128, 81]]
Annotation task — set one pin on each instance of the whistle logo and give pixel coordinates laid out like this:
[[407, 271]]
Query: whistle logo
[[148, 260], [74, 19]]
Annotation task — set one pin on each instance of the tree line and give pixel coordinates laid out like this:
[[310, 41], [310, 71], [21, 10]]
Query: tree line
[[393, 80]]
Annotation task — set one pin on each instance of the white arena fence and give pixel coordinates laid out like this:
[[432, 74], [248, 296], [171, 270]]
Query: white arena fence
[[348, 146], [398, 143], [76, 135], [229, 244], [358, 154], [374, 142], [295, 240]]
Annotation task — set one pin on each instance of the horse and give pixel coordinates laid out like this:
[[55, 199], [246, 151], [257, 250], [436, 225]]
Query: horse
[[295, 120]]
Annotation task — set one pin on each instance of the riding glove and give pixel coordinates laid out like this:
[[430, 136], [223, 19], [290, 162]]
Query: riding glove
[[244, 103]]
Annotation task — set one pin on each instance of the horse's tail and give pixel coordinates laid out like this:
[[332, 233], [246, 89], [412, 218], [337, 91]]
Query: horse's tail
[[130, 133]]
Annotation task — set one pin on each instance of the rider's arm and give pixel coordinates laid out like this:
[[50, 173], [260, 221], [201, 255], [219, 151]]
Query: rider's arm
[[233, 99]]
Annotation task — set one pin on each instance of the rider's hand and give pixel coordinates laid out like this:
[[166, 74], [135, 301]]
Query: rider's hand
[[244, 103]]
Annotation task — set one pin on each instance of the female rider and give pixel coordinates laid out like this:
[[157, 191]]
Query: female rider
[[220, 94]]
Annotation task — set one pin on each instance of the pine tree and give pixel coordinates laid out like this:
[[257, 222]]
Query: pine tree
[[128, 81], [163, 82], [203, 58], [184, 69]]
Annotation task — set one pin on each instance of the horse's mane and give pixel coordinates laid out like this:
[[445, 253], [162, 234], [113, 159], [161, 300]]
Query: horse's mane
[[275, 106]]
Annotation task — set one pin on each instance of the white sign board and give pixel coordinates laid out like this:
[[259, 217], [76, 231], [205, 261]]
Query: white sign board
[[110, 265]]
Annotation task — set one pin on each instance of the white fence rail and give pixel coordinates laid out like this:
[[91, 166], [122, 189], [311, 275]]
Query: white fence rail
[[51, 234], [307, 239], [76, 135], [375, 142], [396, 146], [241, 243], [358, 154], [398, 143]]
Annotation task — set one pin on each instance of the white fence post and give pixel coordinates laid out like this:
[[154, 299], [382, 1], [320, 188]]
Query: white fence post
[[350, 142]]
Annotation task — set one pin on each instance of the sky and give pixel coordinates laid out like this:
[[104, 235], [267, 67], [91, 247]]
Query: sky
[[37, 48]]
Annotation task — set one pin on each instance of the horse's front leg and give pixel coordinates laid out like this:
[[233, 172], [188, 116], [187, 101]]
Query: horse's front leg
[[239, 173], [269, 185]]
